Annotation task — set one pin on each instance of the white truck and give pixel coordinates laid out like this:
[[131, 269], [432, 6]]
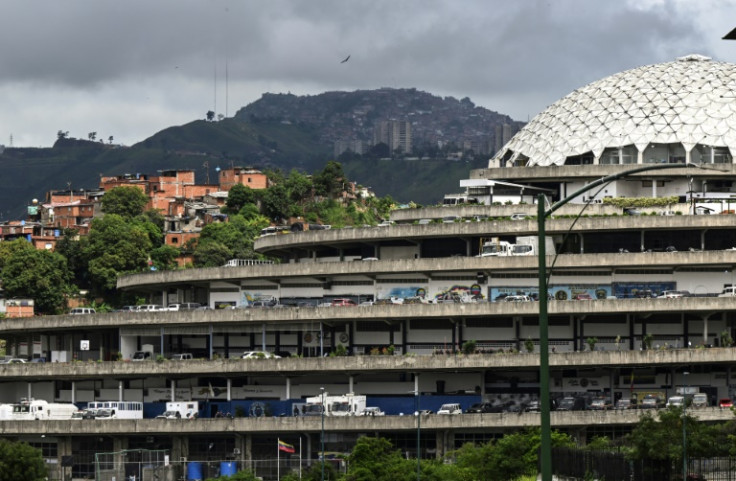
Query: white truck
[[38, 409], [349, 404], [529, 246], [495, 248], [180, 410], [524, 246]]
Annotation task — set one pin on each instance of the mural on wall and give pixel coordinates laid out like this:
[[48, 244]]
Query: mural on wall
[[558, 292], [403, 292], [461, 293], [623, 290]]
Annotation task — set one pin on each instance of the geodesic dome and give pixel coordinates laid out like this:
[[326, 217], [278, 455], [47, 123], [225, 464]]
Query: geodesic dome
[[685, 107]]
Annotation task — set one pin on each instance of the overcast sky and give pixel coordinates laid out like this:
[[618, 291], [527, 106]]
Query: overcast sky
[[129, 69]]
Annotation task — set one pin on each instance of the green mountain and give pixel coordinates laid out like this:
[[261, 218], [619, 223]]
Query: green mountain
[[277, 131]]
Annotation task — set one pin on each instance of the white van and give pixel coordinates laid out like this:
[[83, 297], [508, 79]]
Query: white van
[[185, 306], [77, 311], [450, 408]]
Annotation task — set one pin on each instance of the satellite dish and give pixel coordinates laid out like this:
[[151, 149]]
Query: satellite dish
[[217, 169]]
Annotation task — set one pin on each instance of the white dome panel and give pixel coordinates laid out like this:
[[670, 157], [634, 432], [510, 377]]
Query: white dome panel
[[689, 101]]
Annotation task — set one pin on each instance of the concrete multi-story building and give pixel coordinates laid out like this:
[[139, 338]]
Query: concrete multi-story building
[[413, 314], [394, 133]]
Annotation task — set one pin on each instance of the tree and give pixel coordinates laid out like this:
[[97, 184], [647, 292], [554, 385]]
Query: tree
[[275, 202], [62, 134], [21, 462], [211, 254], [238, 196], [210, 115], [126, 201], [92, 136], [299, 187], [164, 257], [660, 438], [115, 246], [39, 275], [109, 139], [71, 247], [330, 180]]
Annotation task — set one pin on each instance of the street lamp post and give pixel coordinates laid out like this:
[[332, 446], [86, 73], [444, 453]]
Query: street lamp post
[[322, 436], [684, 430], [419, 428], [546, 439]]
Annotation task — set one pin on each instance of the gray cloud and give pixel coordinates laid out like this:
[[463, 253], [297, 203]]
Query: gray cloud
[[132, 68]]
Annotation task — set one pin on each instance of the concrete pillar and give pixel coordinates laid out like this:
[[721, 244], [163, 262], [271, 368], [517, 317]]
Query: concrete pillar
[[351, 380], [120, 390], [119, 444], [173, 390], [179, 449], [483, 385], [321, 340], [263, 337], [63, 449], [248, 445], [288, 388], [30, 391], [229, 389], [74, 392], [640, 157], [240, 447], [705, 329]]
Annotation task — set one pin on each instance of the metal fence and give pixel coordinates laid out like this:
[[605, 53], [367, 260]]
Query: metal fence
[[582, 464], [144, 465]]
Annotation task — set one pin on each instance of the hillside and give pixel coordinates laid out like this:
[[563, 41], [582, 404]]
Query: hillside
[[277, 131]]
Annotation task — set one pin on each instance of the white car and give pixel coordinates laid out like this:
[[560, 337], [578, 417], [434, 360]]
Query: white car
[[372, 411], [450, 408], [259, 355]]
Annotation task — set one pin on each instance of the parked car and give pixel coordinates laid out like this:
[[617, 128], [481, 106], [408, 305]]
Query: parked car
[[342, 302], [600, 404], [77, 311], [517, 299], [623, 404], [651, 402], [484, 407], [570, 403], [15, 360], [518, 216], [535, 406], [142, 356], [184, 356], [675, 401], [583, 296], [725, 403], [645, 294], [674, 294], [259, 355], [372, 411], [150, 308], [450, 408], [700, 400], [185, 306]]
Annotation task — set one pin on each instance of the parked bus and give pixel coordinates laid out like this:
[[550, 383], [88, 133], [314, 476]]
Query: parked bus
[[120, 409]]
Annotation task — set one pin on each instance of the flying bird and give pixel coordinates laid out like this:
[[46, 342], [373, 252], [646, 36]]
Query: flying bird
[[346, 59]]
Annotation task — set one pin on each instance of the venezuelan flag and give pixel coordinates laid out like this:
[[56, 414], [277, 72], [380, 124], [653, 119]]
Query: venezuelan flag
[[287, 448]]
